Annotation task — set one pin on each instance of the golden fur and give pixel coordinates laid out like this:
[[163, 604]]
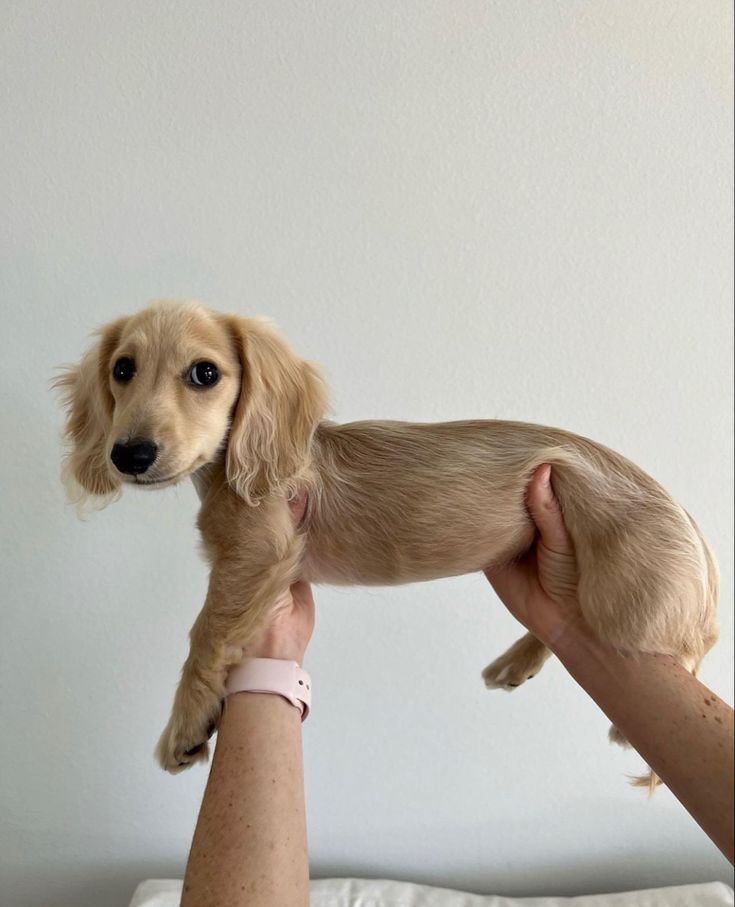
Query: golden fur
[[388, 502]]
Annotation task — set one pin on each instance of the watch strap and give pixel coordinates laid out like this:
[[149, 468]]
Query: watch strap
[[272, 675]]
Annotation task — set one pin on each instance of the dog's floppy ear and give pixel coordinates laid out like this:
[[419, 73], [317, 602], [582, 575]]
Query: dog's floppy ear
[[282, 399], [89, 404]]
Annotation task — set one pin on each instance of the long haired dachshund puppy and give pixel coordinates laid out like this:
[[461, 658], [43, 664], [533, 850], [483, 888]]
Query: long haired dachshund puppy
[[179, 390]]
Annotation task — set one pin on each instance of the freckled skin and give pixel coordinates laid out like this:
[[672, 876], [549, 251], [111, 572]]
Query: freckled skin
[[654, 702], [243, 830]]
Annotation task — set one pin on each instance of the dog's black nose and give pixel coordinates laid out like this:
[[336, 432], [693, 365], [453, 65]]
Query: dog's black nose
[[134, 457]]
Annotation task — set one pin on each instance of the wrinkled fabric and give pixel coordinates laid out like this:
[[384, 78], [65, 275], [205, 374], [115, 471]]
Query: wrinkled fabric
[[380, 893]]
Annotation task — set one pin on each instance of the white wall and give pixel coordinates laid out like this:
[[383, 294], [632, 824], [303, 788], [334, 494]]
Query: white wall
[[489, 209]]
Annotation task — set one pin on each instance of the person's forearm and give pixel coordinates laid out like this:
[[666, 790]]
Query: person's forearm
[[682, 730], [249, 846]]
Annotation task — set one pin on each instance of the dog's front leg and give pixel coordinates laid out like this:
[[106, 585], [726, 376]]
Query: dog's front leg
[[198, 699], [242, 590]]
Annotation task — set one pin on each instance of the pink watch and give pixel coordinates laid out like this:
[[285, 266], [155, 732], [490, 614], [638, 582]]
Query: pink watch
[[271, 675]]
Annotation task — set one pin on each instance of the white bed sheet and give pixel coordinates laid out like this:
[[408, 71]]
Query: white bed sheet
[[374, 893]]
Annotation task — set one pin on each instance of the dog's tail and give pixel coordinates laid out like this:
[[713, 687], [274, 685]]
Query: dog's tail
[[650, 780]]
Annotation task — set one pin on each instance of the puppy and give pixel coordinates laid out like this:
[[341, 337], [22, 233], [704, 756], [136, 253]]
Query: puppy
[[181, 391]]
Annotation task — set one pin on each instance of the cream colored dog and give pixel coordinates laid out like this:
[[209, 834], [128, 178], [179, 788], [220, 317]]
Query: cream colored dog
[[179, 390]]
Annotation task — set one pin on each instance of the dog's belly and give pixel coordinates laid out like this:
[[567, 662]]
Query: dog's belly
[[401, 549], [343, 572]]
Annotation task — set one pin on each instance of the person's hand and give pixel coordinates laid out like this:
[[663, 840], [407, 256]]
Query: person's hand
[[288, 627], [287, 630], [540, 589]]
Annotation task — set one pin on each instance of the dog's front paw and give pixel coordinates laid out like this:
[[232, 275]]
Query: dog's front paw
[[184, 741]]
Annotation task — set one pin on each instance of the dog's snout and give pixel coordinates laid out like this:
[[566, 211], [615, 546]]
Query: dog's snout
[[134, 457]]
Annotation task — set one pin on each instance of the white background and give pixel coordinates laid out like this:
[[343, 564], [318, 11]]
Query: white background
[[462, 209]]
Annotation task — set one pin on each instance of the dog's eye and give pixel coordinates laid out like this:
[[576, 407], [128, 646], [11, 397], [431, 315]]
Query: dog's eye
[[124, 369], [204, 374]]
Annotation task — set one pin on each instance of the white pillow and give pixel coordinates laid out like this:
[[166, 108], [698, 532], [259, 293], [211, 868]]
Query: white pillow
[[372, 893]]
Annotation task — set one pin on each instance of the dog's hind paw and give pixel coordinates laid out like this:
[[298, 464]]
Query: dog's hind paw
[[520, 663], [503, 676]]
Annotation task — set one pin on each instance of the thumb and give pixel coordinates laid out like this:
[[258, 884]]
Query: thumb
[[546, 512]]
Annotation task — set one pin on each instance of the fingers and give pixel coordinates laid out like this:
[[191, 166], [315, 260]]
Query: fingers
[[302, 594], [546, 512]]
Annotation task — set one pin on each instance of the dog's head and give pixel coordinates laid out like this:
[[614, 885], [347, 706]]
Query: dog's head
[[164, 392]]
